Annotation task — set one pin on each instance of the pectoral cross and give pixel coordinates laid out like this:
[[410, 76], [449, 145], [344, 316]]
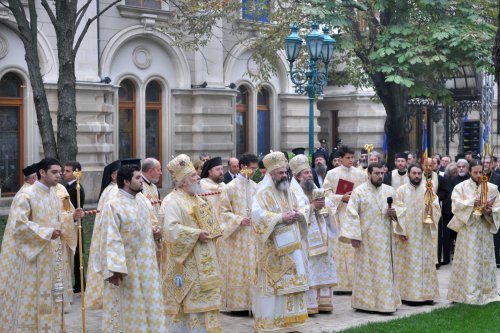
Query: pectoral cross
[[246, 172], [46, 294], [46, 328]]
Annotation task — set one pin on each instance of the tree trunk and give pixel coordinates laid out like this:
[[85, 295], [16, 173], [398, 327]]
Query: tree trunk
[[394, 97], [67, 147], [27, 32], [66, 116]]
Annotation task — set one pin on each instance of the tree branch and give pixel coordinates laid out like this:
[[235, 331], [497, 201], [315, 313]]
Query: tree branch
[[49, 11], [33, 19], [89, 22], [81, 13], [5, 5]]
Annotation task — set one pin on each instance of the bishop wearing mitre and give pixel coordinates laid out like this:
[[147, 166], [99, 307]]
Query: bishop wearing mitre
[[319, 246], [280, 295], [192, 280]]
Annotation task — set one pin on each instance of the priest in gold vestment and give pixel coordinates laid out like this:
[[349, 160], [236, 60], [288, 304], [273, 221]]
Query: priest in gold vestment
[[343, 254], [473, 275], [237, 247], [212, 181], [321, 267], [279, 299], [371, 232], [132, 298], [192, 280], [31, 289], [95, 282], [418, 211], [8, 241]]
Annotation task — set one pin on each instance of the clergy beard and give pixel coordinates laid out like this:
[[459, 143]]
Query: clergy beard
[[462, 174], [218, 180], [415, 182], [307, 185], [364, 164], [194, 188], [377, 183], [321, 169], [282, 185]]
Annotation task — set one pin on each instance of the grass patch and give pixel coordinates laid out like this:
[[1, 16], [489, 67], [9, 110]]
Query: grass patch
[[457, 319], [88, 226]]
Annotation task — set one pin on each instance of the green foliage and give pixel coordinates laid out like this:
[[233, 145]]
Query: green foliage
[[194, 23], [416, 44]]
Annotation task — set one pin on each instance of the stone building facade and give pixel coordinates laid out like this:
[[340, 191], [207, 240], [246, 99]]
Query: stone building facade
[[139, 95]]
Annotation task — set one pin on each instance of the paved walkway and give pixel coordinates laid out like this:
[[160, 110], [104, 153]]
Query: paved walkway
[[342, 317]]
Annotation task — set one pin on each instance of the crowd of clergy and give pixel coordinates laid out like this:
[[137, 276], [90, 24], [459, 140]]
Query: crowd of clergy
[[274, 238]]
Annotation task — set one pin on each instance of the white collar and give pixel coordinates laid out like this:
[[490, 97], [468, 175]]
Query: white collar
[[41, 185], [71, 182], [126, 194]]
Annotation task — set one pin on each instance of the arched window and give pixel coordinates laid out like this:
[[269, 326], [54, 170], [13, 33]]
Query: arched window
[[263, 122], [241, 121], [126, 121], [153, 120], [11, 133]]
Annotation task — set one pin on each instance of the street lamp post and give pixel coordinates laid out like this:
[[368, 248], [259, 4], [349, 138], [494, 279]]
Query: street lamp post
[[319, 47]]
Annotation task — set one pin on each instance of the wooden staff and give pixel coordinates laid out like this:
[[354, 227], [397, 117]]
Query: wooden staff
[[78, 174]]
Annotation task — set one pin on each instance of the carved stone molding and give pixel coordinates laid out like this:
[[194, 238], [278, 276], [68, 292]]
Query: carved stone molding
[[141, 57]]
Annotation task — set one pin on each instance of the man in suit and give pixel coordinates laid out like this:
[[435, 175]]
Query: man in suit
[[70, 181], [233, 169]]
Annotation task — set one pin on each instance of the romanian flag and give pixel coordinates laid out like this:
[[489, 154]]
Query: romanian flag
[[425, 149]]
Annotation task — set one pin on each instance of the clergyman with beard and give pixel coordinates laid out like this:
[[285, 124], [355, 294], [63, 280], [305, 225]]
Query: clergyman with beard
[[415, 256], [473, 275], [320, 161], [371, 228], [281, 228], [322, 274], [398, 176], [191, 267], [128, 259], [212, 181]]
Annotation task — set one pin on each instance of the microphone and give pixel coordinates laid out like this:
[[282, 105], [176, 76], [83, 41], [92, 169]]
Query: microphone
[[389, 201]]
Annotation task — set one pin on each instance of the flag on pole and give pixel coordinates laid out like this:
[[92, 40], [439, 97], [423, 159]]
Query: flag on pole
[[485, 147], [385, 147], [425, 151]]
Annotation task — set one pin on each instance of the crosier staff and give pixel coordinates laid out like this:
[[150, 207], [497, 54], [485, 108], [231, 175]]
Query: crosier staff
[[78, 174], [246, 172]]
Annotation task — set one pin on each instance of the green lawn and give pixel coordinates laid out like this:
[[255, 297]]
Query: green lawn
[[88, 225], [457, 318]]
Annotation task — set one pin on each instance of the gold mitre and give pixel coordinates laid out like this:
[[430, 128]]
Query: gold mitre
[[275, 160], [299, 163], [368, 147], [180, 167]]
